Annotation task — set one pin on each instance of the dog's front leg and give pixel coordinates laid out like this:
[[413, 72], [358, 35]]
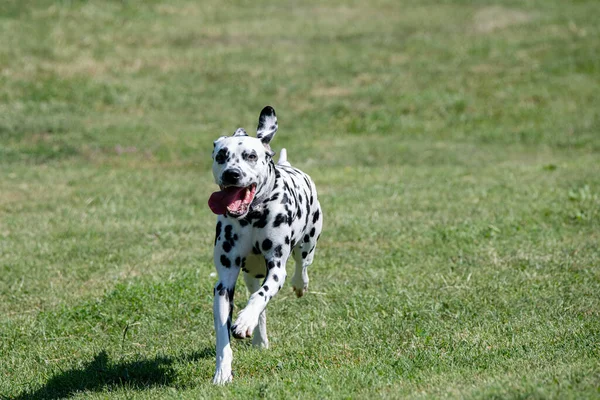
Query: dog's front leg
[[248, 318], [222, 310]]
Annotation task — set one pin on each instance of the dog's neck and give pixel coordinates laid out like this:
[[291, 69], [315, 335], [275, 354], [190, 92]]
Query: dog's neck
[[265, 188]]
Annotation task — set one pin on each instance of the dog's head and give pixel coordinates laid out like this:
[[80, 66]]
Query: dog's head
[[241, 166]]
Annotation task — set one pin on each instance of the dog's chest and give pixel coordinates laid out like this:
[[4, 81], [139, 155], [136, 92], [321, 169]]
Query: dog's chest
[[280, 223]]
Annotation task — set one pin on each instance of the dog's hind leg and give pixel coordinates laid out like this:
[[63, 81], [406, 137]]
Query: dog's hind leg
[[259, 337], [304, 253], [300, 277]]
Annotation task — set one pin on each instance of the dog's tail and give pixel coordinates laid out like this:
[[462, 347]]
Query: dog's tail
[[283, 158]]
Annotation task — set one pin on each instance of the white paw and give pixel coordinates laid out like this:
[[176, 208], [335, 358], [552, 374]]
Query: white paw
[[244, 325], [222, 377], [299, 285]]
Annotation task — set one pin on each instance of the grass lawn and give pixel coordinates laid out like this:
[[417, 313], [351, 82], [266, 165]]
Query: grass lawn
[[455, 146]]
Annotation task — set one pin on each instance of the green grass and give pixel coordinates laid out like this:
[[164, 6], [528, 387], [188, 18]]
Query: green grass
[[455, 146]]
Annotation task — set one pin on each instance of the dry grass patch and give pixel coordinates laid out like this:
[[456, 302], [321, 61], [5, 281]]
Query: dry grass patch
[[494, 18]]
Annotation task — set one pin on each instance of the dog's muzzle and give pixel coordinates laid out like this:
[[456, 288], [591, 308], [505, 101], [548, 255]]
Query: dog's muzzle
[[231, 177]]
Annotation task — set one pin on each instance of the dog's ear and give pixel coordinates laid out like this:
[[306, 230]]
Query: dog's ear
[[240, 132], [267, 125]]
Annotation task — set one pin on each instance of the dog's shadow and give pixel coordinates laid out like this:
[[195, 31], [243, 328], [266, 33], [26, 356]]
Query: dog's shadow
[[101, 373]]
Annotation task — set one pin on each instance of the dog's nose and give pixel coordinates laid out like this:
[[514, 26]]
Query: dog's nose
[[230, 177]]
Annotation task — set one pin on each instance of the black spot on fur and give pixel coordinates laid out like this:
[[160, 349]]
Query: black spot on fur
[[228, 230], [238, 261], [256, 249], [304, 254], [262, 221], [306, 181], [316, 216], [226, 247], [267, 244], [275, 278], [306, 238], [278, 251], [222, 156], [279, 219], [287, 240], [261, 294], [270, 265], [225, 261], [218, 232], [252, 215], [266, 288], [312, 232]]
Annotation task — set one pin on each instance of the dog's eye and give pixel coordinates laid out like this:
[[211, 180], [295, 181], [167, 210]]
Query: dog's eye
[[252, 157]]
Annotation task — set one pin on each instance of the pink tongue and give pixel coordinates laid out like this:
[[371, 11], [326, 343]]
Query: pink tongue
[[228, 198]]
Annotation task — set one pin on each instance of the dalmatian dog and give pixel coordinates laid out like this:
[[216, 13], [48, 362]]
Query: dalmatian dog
[[267, 212]]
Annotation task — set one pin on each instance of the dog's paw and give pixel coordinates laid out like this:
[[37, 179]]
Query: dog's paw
[[222, 377], [300, 291], [244, 325], [299, 285]]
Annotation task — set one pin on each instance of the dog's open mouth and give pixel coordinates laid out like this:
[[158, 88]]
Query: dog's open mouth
[[233, 200]]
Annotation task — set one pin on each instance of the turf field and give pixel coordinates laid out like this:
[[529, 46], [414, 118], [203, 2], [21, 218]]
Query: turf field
[[455, 146]]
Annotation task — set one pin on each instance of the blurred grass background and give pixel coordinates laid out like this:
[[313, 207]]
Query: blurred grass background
[[455, 146]]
